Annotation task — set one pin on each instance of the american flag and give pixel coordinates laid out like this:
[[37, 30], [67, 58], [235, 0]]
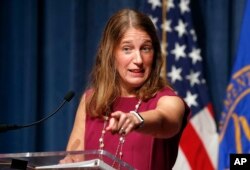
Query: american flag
[[199, 143]]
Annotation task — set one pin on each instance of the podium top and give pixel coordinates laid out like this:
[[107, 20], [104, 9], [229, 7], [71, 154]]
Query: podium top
[[90, 159]]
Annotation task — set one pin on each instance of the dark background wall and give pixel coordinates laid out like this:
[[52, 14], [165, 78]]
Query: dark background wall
[[47, 48]]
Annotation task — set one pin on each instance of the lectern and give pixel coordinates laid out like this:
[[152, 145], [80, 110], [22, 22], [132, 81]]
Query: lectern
[[89, 159]]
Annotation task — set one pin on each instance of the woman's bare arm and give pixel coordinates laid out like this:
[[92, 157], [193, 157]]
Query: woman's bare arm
[[164, 121], [76, 140]]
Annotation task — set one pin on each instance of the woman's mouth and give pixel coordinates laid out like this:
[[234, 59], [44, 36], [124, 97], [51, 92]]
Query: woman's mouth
[[137, 70]]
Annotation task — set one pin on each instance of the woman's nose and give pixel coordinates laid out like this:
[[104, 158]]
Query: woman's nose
[[138, 57]]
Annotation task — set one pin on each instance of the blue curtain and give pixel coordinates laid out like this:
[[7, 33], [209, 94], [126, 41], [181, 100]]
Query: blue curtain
[[47, 47], [218, 24]]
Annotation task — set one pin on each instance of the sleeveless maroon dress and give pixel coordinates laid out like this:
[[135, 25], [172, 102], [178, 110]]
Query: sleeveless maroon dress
[[141, 151]]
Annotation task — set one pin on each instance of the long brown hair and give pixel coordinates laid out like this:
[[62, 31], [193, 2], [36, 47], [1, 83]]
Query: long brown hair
[[104, 79]]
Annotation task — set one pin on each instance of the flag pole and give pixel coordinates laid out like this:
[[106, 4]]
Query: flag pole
[[164, 40]]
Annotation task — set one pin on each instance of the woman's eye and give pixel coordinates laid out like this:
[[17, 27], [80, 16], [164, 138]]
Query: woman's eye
[[146, 49], [126, 50]]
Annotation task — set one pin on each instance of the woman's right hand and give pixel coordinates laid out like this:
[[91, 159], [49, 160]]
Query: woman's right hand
[[72, 158]]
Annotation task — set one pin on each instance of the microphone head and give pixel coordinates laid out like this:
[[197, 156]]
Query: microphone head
[[69, 96]]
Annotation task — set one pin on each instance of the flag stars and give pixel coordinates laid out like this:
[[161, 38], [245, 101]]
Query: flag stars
[[154, 20], [193, 78], [192, 32], [166, 26], [195, 55], [184, 6], [180, 28], [170, 4], [188, 80], [175, 74], [154, 3], [191, 99], [179, 51], [203, 81]]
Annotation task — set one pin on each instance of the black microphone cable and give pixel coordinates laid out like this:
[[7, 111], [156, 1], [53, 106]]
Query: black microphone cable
[[67, 98]]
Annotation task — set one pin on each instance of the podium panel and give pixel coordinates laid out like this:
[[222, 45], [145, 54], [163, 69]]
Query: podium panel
[[89, 159]]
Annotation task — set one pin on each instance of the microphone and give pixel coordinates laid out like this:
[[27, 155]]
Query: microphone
[[67, 98]]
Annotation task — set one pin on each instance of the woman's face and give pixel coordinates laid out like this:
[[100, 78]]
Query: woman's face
[[133, 59]]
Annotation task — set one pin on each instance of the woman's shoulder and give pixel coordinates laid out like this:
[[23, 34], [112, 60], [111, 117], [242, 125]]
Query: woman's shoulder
[[88, 92], [166, 91]]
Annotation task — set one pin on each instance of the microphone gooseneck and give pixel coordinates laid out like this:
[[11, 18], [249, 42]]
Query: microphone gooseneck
[[67, 98]]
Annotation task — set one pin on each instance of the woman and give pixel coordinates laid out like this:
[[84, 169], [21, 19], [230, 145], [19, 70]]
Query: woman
[[129, 110]]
